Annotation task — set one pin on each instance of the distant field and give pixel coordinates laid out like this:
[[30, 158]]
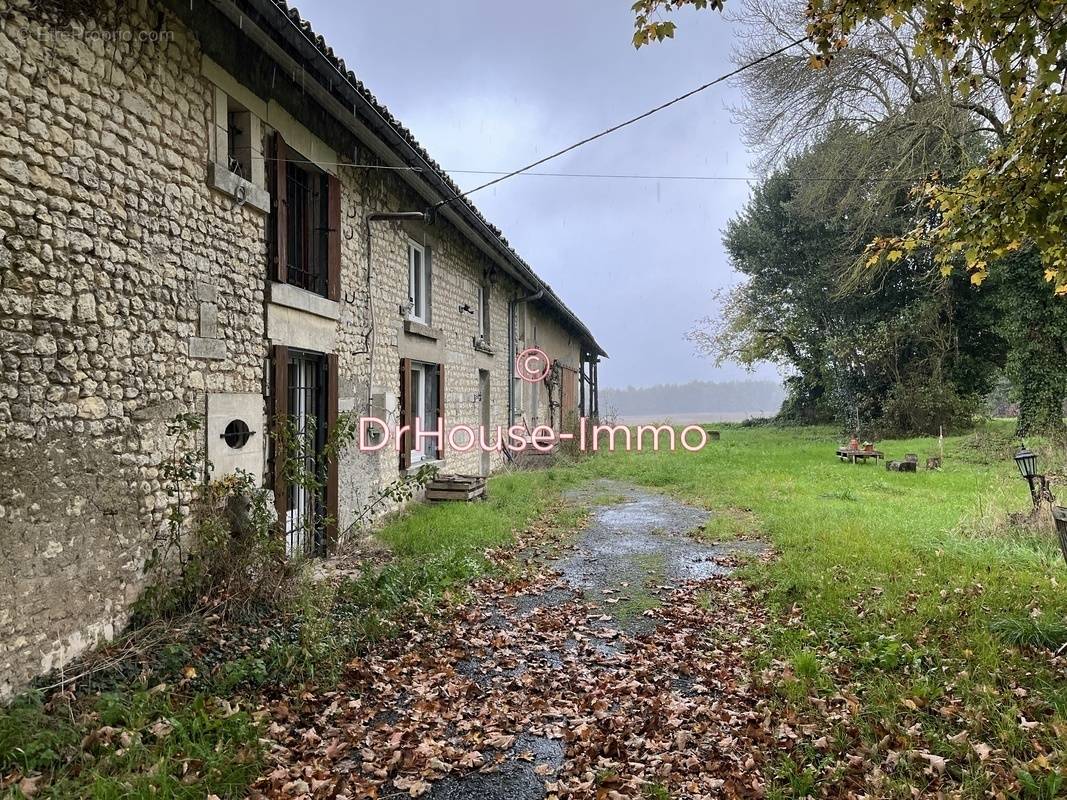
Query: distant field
[[693, 418]]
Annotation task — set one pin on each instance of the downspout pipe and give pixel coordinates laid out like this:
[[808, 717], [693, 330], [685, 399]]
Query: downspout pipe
[[532, 296]]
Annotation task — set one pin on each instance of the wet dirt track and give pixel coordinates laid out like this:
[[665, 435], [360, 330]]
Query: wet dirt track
[[518, 700]]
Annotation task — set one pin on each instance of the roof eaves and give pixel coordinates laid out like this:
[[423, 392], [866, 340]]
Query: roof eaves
[[432, 171]]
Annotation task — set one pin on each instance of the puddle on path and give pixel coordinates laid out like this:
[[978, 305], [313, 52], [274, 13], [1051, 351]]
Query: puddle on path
[[636, 544], [517, 779]]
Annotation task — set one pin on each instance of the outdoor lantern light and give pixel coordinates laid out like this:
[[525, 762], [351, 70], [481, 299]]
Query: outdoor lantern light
[[1039, 488], [1027, 463]]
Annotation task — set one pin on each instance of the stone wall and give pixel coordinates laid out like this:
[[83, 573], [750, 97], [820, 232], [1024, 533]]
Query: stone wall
[[537, 327], [108, 235], [134, 286], [457, 268]]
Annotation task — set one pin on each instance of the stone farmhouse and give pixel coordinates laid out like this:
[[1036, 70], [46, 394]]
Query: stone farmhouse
[[203, 210]]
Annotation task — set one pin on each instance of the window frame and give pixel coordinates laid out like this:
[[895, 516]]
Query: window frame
[[413, 403], [324, 536], [419, 388], [418, 279], [321, 228], [307, 402], [238, 138], [484, 317], [308, 237]]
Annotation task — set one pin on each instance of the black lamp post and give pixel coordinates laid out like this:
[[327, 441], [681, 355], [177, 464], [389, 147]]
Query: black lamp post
[[1026, 460]]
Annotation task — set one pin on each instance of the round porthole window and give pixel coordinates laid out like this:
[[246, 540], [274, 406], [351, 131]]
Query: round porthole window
[[237, 434]]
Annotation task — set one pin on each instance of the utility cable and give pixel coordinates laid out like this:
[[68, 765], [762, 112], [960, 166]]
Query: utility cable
[[619, 126], [600, 175]]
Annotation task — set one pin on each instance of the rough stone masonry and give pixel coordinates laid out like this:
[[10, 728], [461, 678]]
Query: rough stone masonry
[[135, 284]]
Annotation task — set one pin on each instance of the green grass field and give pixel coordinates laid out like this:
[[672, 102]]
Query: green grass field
[[912, 595], [912, 591]]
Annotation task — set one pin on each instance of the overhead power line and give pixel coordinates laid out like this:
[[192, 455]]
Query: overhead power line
[[605, 175], [644, 177], [619, 126]]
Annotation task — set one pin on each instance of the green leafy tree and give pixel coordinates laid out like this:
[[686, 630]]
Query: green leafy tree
[[784, 310], [910, 352], [1035, 323]]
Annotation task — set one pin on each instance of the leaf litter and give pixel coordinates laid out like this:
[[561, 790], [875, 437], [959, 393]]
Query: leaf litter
[[665, 700], [535, 688], [672, 707]]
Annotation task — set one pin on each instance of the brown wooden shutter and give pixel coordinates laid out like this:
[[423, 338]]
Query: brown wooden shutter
[[279, 210], [404, 441], [333, 238], [279, 415], [333, 465], [441, 407]]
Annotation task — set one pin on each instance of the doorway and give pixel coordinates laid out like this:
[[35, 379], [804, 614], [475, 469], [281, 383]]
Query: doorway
[[306, 500], [483, 392]]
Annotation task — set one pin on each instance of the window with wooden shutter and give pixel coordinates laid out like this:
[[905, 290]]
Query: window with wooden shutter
[[422, 388], [279, 216], [305, 225], [333, 237]]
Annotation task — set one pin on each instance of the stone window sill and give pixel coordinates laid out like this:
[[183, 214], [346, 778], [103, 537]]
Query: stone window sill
[[245, 192], [284, 294], [482, 347], [420, 329], [428, 462]]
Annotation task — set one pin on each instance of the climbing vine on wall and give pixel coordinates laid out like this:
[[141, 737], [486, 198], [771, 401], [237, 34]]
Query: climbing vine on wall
[[220, 544]]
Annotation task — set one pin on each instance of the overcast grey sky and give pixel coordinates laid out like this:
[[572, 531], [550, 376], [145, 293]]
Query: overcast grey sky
[[494, 85]]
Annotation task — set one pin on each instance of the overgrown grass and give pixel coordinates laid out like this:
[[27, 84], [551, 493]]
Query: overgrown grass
[[919, 591], [905, 582], [181, 723], [138, 742]]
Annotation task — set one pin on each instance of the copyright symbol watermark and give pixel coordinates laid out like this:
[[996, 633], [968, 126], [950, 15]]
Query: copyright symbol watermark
[[532, 365]]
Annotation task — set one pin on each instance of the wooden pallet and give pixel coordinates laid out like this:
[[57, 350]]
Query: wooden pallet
[[464, 488]]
